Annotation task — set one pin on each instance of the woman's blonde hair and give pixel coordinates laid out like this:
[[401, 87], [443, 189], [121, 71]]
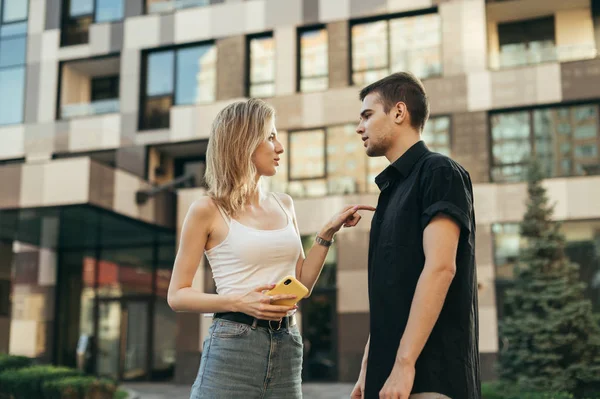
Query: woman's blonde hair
[[235, 134]]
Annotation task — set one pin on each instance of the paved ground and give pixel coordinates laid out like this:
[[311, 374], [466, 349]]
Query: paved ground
[[167, 391]]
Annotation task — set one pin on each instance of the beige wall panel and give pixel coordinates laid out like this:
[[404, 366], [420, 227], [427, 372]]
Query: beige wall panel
[[488, 329], [13, 142], [575, 34], [143, 32], [192, 24], [517, 10], [353, 293], [285, 60]]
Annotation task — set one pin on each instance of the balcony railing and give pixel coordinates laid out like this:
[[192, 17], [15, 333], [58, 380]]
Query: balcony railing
[[172, 5], [539, 55], [89, 109]]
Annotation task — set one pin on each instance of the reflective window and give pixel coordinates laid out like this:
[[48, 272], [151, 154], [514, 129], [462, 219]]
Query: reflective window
[[262, 66], [416, 45], [160, 73], [346, 161], [307, 151], [314, 73], [13, 57], [14, 10], [526, 42], [109, 10], [78, 8], [564, 139], [12, 95], [13, 51], [197, 65], [400, 44], [181, 76], [82, 13], [436, 134]]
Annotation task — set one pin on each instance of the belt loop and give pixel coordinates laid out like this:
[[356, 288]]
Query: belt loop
[[254, 322]]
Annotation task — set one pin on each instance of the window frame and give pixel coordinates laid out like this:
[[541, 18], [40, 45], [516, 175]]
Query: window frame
[[386, 18], [143, 97], [299, 31], [248, 62], [530, 111]]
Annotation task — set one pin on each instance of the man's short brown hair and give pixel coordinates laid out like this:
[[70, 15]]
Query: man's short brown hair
[[402, 87]]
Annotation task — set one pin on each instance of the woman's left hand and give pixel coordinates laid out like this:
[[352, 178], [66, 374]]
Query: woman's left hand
[[348, 217]]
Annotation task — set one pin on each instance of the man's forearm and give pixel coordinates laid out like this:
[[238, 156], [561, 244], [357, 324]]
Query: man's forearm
[[427, 304]]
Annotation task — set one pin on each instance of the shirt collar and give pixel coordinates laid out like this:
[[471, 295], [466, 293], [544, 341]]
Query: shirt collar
[[402, 166]]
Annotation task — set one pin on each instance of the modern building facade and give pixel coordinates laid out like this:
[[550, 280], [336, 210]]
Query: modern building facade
[[105, 110]]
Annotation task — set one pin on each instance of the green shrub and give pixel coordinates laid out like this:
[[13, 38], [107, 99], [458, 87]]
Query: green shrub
[[81, 387], [121, 394], [8, 362], [26, 383]]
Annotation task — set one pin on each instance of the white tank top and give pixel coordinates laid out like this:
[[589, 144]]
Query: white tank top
[[250, 257]]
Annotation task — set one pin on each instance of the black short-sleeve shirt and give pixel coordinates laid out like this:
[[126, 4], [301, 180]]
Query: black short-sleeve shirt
[[418, 186]]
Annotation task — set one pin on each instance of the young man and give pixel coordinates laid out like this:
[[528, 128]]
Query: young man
[[423, 339]]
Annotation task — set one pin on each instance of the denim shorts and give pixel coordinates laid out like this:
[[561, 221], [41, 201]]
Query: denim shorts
[[239, 361]]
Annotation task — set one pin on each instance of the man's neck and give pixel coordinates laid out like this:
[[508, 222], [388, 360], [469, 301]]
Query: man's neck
[[402, 144]]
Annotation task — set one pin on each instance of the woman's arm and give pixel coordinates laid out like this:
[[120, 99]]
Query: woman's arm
[[183, 298], [308, 269]]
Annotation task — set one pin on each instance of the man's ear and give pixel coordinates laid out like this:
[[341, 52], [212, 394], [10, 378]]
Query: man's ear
[[400, 112]]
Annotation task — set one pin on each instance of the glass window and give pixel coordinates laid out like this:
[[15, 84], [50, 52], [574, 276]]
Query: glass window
[[369, 52], [346, 161], [511, 145], [178, 77], [109, 10], [400, 44], [81, 7], [416, 45], [307, 154], [15, 29], [14, 10], [436, 134], [13, 51], [12, 95], [196, 75], [314, 74], [527, 42], [160, 73], [564, 139], [262, 66]]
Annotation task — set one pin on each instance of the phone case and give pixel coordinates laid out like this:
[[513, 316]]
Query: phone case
[[294, 287]]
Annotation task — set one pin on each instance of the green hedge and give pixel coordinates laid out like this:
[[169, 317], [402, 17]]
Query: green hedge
[[79, 388], [20, 380], [27, 382], [8, 362], [508, 390]]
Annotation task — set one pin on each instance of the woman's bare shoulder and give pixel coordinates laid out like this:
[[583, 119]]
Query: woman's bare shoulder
[[286, 200], [204, 208]]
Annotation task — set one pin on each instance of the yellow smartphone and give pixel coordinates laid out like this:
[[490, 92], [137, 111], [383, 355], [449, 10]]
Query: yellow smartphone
[[289, 285]]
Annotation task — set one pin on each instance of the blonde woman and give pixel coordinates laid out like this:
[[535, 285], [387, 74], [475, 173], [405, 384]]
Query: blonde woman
[[250, 237]]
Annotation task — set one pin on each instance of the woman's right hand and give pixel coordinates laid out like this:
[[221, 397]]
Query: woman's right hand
[[257, 304]]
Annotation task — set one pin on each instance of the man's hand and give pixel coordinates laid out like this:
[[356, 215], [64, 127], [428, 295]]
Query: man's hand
[[400, 382]]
